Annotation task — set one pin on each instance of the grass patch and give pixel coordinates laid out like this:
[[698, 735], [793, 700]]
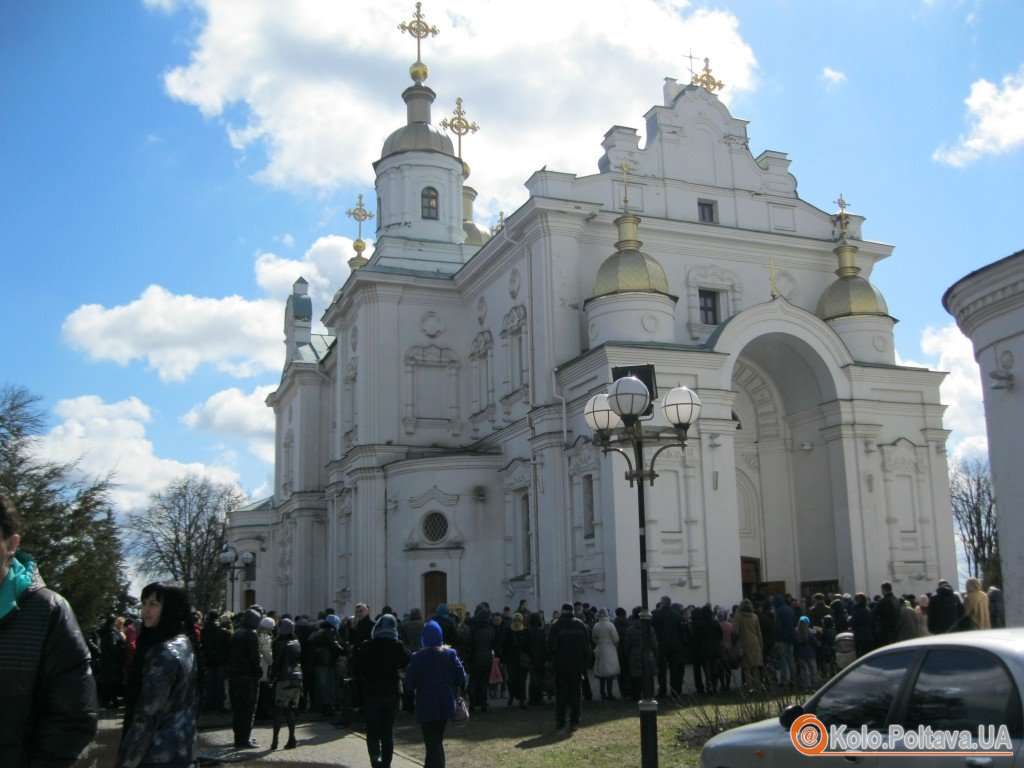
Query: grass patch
[[609, 737]]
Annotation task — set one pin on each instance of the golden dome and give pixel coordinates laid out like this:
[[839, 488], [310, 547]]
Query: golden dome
[[359, 246], [629, 269], [851, 295]]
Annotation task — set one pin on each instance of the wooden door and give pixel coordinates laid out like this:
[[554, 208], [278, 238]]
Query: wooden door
[[435, 591]]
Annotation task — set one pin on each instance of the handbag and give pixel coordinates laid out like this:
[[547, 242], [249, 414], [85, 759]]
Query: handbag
[[461, 715]]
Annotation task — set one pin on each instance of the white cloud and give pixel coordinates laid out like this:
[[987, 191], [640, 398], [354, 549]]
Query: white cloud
[[324, 265], [111, 437], [961, 391], [996, 122], [236, 414], [321, 101], [176, 334], [833, 77]]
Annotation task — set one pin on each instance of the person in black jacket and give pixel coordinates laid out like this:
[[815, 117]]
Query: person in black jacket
[[945, 611], [379, 661], [569, 651], [216, 650], [245, 678], [668, 627], [481, 644], [49, 694], [286, 675]]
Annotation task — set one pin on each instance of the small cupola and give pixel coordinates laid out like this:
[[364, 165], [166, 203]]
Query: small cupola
[[631, 299]]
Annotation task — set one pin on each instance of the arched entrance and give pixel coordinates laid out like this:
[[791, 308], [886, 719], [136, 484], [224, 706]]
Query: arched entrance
[[786, 400], [435, 591]]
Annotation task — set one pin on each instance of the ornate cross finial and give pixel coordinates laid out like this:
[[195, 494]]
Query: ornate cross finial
[[360, 214], [624, 167], [706, 80], [419, 29], [501, 223], [773, 277], [459, 125], [842, 216]]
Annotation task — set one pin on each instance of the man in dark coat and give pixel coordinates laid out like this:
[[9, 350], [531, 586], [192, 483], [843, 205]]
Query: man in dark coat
[[216, 648], [668, 628], [244, 678], [945, 610], [887, 616], [49, 694], [785, 638], [569, 651]]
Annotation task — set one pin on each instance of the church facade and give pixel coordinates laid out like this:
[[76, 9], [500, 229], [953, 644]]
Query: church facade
[[432, 448]]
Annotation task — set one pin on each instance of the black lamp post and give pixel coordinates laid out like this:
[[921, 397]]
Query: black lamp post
[[227, 560], [615, 418]]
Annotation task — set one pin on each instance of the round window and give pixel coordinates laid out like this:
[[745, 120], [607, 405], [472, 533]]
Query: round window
[[435, 526]]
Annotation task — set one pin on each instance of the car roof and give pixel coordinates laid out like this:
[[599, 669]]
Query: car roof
[[1008, 644]]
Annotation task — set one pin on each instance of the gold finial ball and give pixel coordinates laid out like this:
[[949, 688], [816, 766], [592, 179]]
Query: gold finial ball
[[465, 169], [418, 72], [359, 245]]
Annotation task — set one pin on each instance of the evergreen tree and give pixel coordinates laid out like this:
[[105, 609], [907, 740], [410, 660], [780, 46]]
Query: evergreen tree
[[68, 523]]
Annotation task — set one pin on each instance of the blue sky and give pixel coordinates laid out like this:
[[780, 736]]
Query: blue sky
[[168, 168]]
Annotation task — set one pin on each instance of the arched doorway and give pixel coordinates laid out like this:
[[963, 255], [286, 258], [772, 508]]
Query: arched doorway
[[435, 591], [787, 515]]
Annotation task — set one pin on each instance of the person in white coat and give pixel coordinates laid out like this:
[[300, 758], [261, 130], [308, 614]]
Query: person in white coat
[[606, 665]]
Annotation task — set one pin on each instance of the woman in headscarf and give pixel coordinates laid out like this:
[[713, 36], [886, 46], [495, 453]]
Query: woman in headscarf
[[286, 675], [606, 664], [378, 663], [161, 703], [515, 654], [435, 673], [976, 606]]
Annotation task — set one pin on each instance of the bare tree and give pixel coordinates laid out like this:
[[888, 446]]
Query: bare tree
[[974, 514], [182, 532]]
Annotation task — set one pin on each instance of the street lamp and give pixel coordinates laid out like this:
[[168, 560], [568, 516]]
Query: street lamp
[[227, 560], [615, 419]]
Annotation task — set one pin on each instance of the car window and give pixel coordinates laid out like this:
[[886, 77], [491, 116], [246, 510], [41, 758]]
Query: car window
[[962, 689], [864, 695]]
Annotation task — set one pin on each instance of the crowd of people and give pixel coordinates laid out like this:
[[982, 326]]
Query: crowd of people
[[171, 663]]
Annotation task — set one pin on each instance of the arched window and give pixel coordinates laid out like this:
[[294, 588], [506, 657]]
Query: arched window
[[428, 203]]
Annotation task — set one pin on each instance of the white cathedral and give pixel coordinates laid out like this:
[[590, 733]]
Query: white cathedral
[[431, 447]]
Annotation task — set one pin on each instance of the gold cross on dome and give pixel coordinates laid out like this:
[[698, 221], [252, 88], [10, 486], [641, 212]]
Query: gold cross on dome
[[501, 223], [360, 214], [459, 125], [624, 167], [706, 80], [842, 215], [418, 28]]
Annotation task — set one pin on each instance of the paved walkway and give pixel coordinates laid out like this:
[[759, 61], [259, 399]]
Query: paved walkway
[[319, 743]]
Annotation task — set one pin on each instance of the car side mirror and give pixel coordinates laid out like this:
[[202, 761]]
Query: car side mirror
[[789, 715]]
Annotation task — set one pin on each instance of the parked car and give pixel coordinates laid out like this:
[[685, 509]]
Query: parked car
[[949, 682]]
